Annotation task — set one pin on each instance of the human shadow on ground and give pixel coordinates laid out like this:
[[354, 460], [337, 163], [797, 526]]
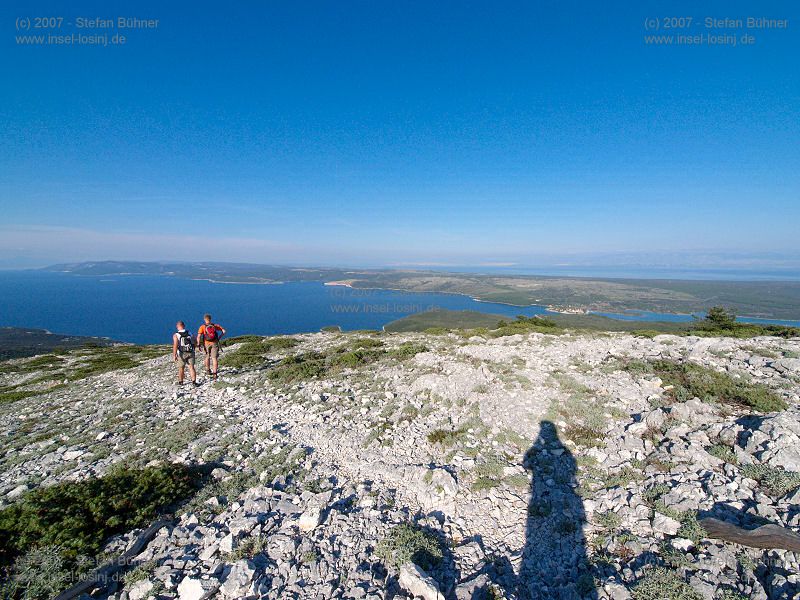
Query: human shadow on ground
[[554, 562]]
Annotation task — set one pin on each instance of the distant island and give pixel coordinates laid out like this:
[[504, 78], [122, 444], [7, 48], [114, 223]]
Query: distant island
[[569, 295], [18, 342]]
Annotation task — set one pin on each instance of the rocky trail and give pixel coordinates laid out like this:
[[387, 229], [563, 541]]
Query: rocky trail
[[437, 466]]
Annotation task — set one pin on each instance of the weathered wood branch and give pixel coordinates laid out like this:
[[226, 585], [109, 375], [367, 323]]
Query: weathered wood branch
[[100, 576], [770, 536]]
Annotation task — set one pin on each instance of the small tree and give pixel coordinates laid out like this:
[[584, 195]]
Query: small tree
[[720, 318]]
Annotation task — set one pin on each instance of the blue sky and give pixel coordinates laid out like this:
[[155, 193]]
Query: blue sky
[[372, 133]]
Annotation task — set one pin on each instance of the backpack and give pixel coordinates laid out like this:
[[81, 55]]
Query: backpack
[[210, 334], [185, 342]]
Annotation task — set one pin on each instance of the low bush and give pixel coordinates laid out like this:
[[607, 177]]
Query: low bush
[[446, 437], [690, 527], [407, 350], [720, 322], [308, 365], [723, 452], [253, 350], [408, 542], [241, 339], [249, 354], [41, 572], [524, 324], [663, 584], [78, 516], [775, 480], [608, 520], [689, 380]]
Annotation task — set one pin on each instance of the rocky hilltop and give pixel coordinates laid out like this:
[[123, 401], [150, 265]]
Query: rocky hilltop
[[404, 465]]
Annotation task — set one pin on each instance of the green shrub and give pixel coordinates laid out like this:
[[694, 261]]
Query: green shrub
[[78, 516], [446, 437], [484, 483], [298, 367], [582, 435], [436, 331], [524, 324], [672, 556], [646, 333], [407, 350], [622, 478], [352, 359], [609, 520], [653, 493], [723, 452], [690, 527], [689, 380], [719, 318], [279, 343], [253, 349], [731, 594], [241, 339], [102, 360], [139, 573], [721, 322], [249, 548], [663, 584], [775, 480], [19, 395], [40, 573], [309, 365], [408, 542], [249, 354]]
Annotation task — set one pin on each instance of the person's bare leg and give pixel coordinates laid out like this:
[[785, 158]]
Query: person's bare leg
[[193, 373], [215, 362], [208, 362], [180, 375]]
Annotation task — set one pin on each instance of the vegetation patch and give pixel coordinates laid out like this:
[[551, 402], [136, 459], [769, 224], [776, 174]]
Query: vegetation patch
[[721, 322], [689, 380], [663, 584], [622, 478], [77, 517], [609, 521], [690, 527], [723, 452], [776, 481], [253, 350], [407, 350], [447, 437], [523, 325], [408, 542], [310, 365], [103, 360], [489, 474]]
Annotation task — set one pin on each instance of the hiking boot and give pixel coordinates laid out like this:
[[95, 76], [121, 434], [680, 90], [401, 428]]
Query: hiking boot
[[179, 383], [195, 384]]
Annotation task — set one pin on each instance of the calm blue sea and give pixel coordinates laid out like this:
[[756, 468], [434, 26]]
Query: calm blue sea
[[144, 309]]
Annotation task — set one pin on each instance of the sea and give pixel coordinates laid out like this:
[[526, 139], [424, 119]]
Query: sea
[[143, 309]]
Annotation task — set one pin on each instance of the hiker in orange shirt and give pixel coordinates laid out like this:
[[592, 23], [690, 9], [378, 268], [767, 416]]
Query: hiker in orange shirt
[[208, 339]]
